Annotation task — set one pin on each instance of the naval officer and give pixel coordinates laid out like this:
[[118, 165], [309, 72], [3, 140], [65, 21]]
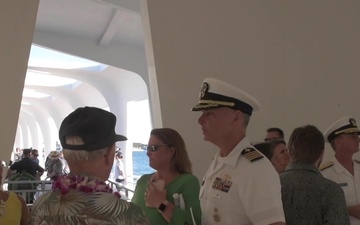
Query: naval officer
[[241, 186], [343, 136]]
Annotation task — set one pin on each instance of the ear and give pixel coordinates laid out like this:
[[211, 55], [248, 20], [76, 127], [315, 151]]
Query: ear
[[237, 115], [109, 155], [172, 150], [337, 141]]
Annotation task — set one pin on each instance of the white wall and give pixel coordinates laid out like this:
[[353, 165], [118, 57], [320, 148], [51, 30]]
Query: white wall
[[300, 59], [17, 21]]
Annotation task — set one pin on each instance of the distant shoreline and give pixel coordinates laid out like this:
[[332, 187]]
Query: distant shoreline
[[138, 150]]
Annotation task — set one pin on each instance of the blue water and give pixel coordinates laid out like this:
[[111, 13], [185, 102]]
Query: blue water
[[141, 163]]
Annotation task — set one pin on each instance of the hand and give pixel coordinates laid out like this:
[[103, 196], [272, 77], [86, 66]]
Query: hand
[[354, 211], [153, 196]]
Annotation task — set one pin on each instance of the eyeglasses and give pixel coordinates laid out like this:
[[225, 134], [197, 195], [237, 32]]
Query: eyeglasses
[[273, 139], [154, 148]]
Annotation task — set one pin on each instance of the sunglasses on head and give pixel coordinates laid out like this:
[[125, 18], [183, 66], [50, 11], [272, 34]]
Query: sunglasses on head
[[154, 148]]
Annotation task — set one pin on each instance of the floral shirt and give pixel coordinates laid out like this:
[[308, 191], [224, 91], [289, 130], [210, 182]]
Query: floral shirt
[[84, 201], [55, 166]]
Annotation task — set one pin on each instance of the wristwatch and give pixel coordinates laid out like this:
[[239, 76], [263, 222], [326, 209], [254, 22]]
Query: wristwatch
[[163, 206]]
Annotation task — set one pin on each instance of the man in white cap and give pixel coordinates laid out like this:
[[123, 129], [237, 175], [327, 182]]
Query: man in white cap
[[83, 197], [343, 136], [240, 186]]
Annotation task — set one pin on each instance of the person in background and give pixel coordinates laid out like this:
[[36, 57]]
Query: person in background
[[277, 152], [119, 168], [274, 133], [13, 209], [170, 195], [18, 155], [82, 197], [343, 136], [35, 155], [27, 165], [308, 197], [15, 156], [240, 186], [54, 165], [65, 164]]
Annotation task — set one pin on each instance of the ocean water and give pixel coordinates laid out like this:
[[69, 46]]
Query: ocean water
[[141, 163]]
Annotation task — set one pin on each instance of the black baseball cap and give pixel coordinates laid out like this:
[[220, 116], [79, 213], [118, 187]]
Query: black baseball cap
[[95, 126]]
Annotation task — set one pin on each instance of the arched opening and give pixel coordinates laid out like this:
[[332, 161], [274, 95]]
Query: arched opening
[[57, 83]]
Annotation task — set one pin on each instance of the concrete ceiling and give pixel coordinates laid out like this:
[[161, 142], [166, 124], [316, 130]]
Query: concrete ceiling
[[100, 21], [106, 31]]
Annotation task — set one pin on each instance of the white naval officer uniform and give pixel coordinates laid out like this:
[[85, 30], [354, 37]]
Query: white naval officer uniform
[[349, 183], [236, 190]]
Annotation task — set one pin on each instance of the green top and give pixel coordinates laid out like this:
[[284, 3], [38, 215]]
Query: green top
[[185, 184]]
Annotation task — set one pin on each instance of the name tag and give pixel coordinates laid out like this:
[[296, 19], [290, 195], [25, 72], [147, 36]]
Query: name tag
[[222, 184], [342, 184]]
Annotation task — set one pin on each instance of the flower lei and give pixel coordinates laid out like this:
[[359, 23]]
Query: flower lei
[[81, 183]]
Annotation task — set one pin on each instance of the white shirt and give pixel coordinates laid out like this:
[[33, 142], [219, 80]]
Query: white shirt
[[349, 183], [236, 190]]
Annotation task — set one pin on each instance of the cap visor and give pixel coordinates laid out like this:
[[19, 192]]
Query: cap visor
[[120, 138], [349, 132], [203, 106]]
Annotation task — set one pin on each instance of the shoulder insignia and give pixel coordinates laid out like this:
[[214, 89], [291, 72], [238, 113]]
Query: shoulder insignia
[[251, 154], [326, 165]]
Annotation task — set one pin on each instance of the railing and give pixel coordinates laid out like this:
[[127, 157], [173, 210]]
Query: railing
[[30, 195], [43, 186], [125, 192]]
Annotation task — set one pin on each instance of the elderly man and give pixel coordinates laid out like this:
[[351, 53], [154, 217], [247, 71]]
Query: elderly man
[[240, 186], [88, 139], [343, 135], [307, 196]]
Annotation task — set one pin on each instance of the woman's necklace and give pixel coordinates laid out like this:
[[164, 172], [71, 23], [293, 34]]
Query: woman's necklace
[[81, 183]]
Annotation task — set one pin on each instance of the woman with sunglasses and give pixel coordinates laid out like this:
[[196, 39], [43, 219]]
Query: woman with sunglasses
[[171, 194]]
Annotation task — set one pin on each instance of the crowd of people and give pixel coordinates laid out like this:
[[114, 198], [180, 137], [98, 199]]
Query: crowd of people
[[272, 183]]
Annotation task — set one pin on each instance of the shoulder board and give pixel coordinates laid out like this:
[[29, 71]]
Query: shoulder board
[[326, 165], [251, 154], [356, 160]]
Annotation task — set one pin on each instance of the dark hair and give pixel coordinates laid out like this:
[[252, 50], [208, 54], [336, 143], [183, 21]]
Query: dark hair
[[35, 152], [276, 129], [267, 148], [306, 144], [26, 151], [172, 138]]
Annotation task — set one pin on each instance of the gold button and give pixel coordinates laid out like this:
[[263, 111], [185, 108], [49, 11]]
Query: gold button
[[216, 217]]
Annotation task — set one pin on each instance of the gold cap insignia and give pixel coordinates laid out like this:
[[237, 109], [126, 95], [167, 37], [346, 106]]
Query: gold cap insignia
[[353, 122], [204, 89]]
